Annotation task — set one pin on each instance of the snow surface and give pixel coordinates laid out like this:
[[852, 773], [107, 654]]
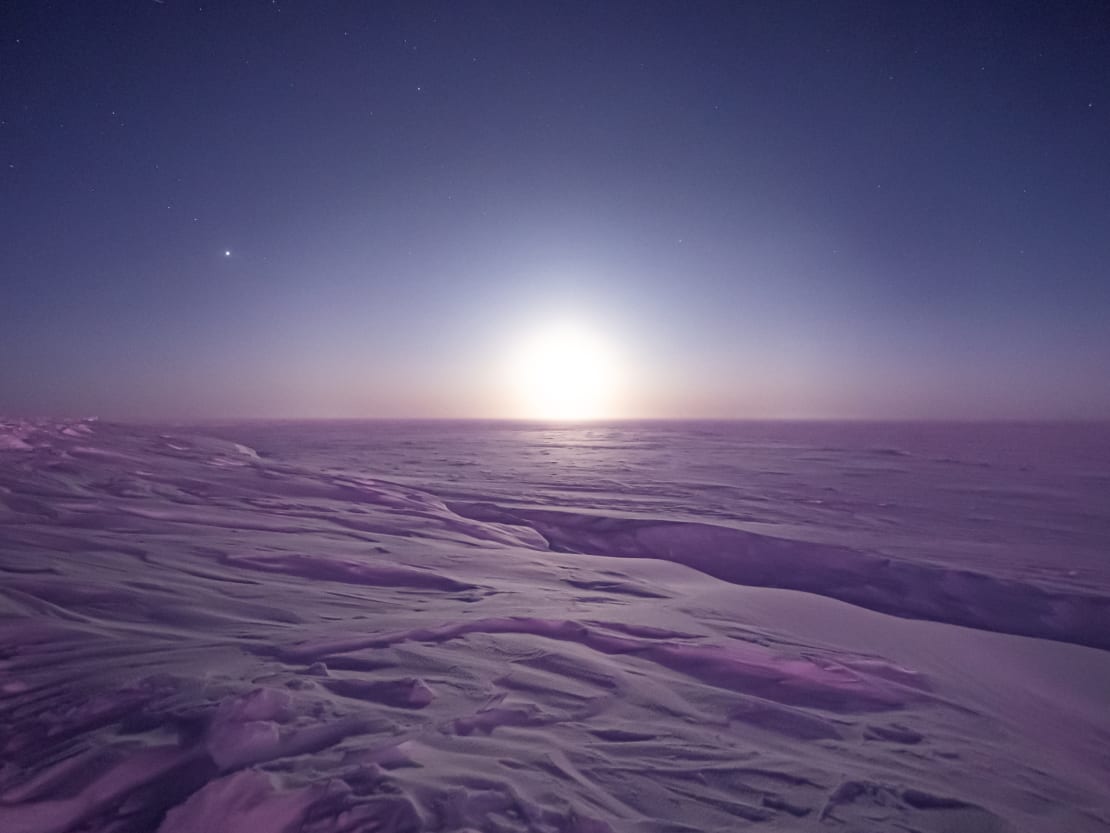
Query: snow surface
[[456, 627]]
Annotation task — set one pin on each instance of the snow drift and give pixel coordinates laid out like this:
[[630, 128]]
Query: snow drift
[[198, 637]]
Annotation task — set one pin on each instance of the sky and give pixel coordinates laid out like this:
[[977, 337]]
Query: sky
[[737, 209]]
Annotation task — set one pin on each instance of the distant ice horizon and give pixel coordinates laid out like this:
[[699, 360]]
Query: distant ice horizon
[[62, 416]]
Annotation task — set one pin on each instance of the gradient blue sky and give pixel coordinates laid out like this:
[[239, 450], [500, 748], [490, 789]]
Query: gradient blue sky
[[771, 209]]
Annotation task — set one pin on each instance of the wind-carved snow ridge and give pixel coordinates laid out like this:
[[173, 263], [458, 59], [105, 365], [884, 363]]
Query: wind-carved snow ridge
[[27, 435], [902, 588], [198, 635]]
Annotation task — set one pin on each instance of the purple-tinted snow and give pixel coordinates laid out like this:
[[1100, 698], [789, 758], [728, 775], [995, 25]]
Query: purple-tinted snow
[[449, 627]]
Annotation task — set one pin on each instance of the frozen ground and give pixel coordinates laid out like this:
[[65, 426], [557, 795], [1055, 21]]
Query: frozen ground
[[447, 627]]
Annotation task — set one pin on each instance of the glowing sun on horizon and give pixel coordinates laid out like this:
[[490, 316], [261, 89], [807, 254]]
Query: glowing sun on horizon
[[564, 372]]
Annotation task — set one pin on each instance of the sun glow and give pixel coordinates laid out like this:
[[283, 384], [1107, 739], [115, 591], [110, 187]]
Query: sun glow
[[564, 372]]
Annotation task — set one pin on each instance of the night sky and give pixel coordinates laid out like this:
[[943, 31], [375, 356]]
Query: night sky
[[291, 209]]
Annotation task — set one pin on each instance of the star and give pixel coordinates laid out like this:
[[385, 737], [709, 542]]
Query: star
[[227, 253]]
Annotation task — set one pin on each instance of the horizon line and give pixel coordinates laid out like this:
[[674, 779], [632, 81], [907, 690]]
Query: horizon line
[[950, 420]]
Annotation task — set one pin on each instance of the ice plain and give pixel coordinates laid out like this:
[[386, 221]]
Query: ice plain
[[374, 626]]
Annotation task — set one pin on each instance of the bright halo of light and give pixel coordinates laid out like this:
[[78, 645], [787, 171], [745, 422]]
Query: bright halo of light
[[564, 372]]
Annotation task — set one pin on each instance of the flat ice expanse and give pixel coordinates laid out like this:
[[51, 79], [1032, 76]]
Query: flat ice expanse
[[375, 627]]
